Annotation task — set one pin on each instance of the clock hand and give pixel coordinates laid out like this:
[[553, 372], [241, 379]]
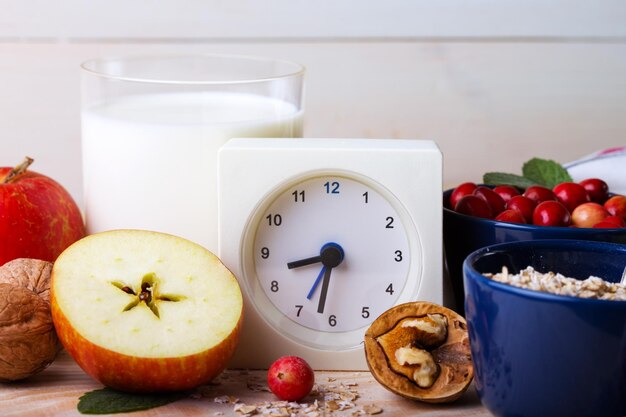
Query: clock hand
[[304, 262], [322, 302], [331, 255], [316, 283], [330, 250]]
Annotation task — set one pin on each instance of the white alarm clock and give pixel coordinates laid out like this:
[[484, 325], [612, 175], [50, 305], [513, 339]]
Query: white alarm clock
[[324, 235]]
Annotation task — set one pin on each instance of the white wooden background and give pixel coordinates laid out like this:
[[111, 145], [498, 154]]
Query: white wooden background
[[494, 82]]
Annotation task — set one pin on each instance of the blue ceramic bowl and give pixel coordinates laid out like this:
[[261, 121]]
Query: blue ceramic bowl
[[464, 234], [538, 354]]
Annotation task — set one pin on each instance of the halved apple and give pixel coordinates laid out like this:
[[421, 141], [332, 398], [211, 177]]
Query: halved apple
[[143, 311]]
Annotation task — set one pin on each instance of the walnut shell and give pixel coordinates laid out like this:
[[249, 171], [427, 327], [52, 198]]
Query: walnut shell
[[28, 341], [386, 336], [33, 274]]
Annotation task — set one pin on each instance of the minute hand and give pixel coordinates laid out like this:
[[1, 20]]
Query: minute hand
[[325, 282]]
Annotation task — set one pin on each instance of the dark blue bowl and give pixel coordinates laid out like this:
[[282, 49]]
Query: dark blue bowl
[[464, 234], [538, 354]]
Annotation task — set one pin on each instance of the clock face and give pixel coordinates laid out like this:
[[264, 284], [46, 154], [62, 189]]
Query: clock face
[[327, 255]]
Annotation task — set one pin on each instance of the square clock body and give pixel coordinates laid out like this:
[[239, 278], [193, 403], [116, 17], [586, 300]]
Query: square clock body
[[325, 235]]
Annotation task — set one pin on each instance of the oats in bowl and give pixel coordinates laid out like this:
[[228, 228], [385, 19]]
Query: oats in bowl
[[555, 283]]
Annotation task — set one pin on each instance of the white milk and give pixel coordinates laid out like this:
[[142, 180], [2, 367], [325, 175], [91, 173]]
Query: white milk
[[150, 162]]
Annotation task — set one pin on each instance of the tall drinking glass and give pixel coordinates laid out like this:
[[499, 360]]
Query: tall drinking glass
[[152, 127]]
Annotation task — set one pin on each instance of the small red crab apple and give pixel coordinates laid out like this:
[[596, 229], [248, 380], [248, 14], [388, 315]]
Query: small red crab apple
[[290, 378]]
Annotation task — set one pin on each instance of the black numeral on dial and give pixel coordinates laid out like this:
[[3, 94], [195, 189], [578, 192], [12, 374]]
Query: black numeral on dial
[[274, 219], [389, 289]]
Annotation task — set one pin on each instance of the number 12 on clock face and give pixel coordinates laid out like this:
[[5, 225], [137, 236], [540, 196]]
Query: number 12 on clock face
[[332, 253]]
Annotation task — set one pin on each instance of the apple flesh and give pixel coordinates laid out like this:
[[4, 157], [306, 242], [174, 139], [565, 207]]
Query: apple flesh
[[38, 217], [144, 311]]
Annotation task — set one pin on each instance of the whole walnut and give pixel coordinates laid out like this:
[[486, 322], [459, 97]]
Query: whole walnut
[[28, 342]]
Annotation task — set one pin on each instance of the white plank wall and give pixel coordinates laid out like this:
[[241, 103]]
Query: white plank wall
[[493, 82]]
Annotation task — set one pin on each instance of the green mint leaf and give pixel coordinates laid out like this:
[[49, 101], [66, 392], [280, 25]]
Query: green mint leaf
[[545, 172], [501, 178], [108, 401]]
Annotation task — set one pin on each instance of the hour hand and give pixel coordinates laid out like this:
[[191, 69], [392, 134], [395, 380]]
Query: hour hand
[[304, 262]]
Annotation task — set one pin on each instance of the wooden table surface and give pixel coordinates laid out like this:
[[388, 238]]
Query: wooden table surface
[[55, 392]]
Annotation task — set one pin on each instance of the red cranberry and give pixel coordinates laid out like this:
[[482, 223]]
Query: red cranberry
[[472, 205], [524, 205], [570, 194], [492, 198], [551, 213], [537, 193], [290, 378], [616, 220], [616, 206], [506, 192], [461, 191], [606, 225], [511, 216], [597, 189], [588, 214]]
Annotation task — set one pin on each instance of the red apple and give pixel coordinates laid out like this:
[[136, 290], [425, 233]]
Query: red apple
[[616, 206], [144, 311], [588, 214], [38, 217], [290, 378]]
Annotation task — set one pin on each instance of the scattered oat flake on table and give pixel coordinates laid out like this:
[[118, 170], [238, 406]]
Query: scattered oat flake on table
[[313, 407], [332, 405], [372, 409], [348, 396], [226, 399], [244, 409]]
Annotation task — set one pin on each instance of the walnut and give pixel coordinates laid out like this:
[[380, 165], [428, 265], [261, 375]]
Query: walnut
[[28, 342], [33, 274], [421, 351]]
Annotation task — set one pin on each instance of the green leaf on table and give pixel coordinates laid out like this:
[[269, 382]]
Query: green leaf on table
[[545, 172], [501, 178], [108, 401]]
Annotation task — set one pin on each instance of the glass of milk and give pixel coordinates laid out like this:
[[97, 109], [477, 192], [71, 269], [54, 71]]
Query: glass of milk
[[152, 126]]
